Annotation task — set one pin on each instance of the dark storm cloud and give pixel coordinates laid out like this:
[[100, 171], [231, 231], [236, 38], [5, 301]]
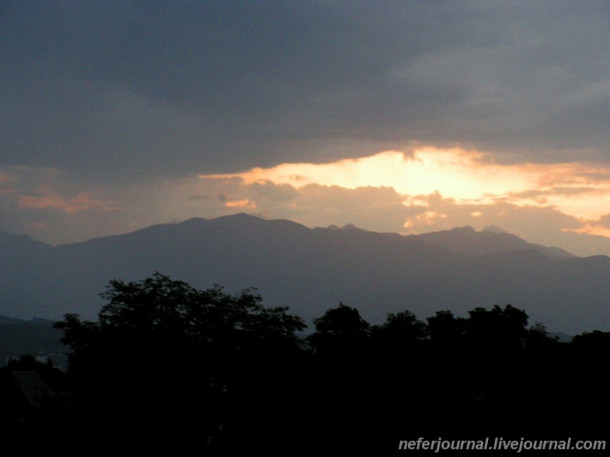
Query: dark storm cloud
[[133, 89], [130, 89]]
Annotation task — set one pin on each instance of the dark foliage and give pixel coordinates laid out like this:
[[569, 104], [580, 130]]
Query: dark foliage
[[165, 360], [169, 366]]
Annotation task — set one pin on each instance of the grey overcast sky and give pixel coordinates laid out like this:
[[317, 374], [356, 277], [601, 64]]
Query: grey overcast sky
[[115, 115]]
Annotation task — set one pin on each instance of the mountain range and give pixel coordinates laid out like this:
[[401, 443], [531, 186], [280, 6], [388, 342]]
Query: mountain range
[[313, 269]]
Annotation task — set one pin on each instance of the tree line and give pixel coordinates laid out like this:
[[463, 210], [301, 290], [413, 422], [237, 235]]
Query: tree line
[[167, 364]]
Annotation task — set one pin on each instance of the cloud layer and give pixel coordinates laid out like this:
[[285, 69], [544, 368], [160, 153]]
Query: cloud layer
[[112, 112], [223, 86], [433, 189]]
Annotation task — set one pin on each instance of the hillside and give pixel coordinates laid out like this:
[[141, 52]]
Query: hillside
[[489, 241], [313, 269]]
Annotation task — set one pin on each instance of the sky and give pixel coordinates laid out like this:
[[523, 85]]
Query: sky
[[395, 116]]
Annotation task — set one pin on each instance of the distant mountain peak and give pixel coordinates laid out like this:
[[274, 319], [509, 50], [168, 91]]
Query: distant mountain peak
[[345, 227], [464, 229], [240, 216], [311, 269], [489, 241], [14, 240], [494, 229]]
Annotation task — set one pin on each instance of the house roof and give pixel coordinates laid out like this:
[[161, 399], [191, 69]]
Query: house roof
[[35, 390]]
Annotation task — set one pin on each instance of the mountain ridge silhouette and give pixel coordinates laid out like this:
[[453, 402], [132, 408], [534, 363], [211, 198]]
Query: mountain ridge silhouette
[[313, 269]]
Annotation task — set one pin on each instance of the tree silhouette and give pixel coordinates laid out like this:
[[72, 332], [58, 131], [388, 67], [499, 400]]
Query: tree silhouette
[[445, 330], [224, 372], [340, 332], [539, 339], [400, 331], [164, 356], [496, 332]]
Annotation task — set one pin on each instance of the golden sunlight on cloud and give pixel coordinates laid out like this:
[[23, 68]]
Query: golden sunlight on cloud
[[454, 173], [82, 202], [591, 229], [580, 190], [242, 203]]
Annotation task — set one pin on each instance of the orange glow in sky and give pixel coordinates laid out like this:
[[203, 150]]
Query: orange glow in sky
[[576, 189], [82, 202], [453, 173]]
